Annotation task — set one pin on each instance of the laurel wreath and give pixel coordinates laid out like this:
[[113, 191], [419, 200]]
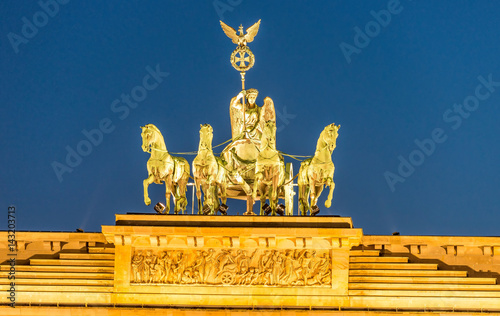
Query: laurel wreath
[[242, 50]]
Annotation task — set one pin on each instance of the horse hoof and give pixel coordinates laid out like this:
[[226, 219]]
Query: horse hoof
[[314, 210]]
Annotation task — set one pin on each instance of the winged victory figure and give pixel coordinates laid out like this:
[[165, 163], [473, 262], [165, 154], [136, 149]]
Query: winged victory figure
[[247, 121], [241, 39]]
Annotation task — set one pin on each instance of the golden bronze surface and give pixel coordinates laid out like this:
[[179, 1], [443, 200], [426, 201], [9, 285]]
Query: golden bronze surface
[[209, 174], [162, 167], [242, 54], [247, 125], [317, 171], [250, 166], [269, 170], [241, 39]]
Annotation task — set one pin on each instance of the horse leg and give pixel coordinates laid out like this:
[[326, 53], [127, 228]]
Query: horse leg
[[146, 183], [182, 187], [185, 181], [331, 184], [317, 188], [314, 193], [263, 196], [303, 199], [223, 194], [272, 202], [222, 183], [214, 201], [216, 198], [197, 184], [210, 197], [258, 179], [206, 194], [176, 198], [168, 191], [273, 193]]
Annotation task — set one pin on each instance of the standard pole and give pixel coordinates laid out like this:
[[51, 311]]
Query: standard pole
[[244, 103]]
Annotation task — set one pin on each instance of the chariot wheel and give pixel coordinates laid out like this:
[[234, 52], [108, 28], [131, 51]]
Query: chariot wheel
[[227, 278], [288, 188]]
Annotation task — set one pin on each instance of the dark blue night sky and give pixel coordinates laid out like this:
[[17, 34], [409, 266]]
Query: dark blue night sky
[[414, 84]]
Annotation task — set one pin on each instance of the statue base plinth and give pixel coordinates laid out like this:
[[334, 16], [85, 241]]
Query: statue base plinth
[[238, 261]]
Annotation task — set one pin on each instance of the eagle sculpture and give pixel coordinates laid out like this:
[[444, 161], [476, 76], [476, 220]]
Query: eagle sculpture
[[241, 39]]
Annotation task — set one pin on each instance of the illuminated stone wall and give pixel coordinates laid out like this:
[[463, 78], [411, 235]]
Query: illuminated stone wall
[[247, 263]]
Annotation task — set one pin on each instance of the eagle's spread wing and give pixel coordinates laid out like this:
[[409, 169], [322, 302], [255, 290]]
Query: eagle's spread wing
[[252, 32], [230, 32]]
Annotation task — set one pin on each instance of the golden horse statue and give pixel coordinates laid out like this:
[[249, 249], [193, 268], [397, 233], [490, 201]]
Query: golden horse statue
[[162, 167], [318, 171], [209, 174], [269, 169]]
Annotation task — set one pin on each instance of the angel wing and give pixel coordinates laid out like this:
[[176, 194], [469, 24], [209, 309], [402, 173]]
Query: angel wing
[[251, 32], [267, 113], [236, 115], [231, 33]]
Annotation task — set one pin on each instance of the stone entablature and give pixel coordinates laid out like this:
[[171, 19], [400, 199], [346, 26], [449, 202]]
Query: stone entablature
[[248, 262], [480, 254], [229, 252], [46, 243]]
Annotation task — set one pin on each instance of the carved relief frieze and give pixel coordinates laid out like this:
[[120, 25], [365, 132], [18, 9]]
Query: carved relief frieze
[[236, 267]]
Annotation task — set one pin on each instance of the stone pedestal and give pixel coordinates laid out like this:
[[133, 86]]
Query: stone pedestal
[[236, 261]]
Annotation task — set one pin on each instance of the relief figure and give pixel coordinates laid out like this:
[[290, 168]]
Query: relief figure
[[232, 267]]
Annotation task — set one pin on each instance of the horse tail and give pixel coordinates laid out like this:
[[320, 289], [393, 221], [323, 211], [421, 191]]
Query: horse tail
[[181, 172], [303, 178], [186, 170]]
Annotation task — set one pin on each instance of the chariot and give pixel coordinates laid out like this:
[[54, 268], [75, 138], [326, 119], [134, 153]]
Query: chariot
[[242, 156], [249, 168]]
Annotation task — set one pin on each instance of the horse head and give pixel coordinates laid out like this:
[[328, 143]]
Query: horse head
[[330, 133], [150, 135], [206, 133], [206, 136], [146, 138], [328, 138]]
